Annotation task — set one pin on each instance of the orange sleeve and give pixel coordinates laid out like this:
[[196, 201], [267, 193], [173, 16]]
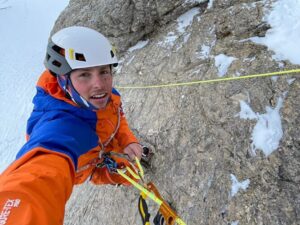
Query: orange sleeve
[[35, 191], [124, 134]]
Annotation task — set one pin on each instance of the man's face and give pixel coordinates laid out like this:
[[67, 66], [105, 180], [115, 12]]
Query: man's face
[[94, 84]]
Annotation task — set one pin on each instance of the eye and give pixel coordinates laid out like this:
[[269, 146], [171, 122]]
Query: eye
[[105, 72], [84, 75]]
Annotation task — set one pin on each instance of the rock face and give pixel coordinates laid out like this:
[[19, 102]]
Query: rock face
[[124, 21], [194, 130]]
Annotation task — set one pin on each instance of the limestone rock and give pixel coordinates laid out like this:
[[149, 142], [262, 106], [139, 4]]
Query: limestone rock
[[125, 22]]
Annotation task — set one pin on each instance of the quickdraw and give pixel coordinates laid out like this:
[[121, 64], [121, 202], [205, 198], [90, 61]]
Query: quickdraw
[[166, 215]]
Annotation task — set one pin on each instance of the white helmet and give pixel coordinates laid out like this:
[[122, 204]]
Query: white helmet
[[78, 47]]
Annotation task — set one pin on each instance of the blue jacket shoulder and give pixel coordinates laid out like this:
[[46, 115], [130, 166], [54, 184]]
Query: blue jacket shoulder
[[62, 132], [115, 92]]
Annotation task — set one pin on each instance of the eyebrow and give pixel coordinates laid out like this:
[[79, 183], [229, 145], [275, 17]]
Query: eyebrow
[[87, 69], [82, 69]]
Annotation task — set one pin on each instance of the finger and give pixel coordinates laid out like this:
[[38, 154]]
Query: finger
[[130, 153], [138, 151]]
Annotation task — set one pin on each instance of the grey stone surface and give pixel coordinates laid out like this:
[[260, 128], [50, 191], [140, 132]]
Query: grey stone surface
[[197, 138], [125, 22]]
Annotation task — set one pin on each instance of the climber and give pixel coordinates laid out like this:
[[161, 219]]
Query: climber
[[77, 118]]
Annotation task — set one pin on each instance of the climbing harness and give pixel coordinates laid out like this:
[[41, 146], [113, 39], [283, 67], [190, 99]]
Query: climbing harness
[[278, 73], [112, 166]]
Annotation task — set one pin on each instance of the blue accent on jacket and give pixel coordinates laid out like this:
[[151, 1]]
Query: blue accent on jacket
[[58, 126], [115, 92]]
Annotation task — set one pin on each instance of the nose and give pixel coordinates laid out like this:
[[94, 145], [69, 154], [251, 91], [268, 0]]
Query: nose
[[98, 81]]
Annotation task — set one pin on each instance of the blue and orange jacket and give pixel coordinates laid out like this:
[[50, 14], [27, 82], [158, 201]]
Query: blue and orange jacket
[[63, 142]]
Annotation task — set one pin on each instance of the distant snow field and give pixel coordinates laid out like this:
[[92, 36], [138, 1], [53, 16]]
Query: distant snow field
[[25, 26]]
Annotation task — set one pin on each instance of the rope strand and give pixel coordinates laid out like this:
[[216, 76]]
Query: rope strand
[[278, 73]]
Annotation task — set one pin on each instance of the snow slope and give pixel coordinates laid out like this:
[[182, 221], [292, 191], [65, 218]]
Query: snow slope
[[25, 26]]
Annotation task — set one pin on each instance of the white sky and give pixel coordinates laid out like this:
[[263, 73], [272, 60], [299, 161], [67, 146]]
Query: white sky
[[25, 28]]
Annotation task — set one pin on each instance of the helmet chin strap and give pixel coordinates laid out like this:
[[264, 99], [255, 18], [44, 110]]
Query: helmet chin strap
[[65, 83]]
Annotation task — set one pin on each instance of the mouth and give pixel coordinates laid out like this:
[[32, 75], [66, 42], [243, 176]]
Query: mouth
[[99, 96]]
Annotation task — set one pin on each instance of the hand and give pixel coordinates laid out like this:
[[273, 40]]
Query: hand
[[133, 150]]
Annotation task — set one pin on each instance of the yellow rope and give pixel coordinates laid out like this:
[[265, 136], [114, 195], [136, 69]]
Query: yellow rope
[[286, 72], [141, 188]]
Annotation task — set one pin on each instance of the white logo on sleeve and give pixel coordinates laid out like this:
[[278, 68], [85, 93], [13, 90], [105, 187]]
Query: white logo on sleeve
[[10, 203]]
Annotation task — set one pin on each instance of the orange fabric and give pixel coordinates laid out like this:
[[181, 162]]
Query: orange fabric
[[107, 123], [83, 173], [125, 136], [35, 189]]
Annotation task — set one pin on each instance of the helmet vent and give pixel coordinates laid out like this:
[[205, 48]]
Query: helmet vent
[[112, 54], [80, 57], [56, 63], [59, 50]]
